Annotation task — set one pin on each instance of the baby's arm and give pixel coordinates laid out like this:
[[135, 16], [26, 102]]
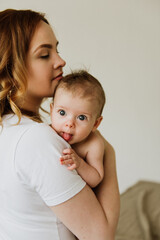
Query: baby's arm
[[90, 170]]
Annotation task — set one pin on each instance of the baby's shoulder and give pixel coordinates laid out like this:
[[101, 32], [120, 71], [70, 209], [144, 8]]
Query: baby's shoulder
[[93, 143], [94, 138]]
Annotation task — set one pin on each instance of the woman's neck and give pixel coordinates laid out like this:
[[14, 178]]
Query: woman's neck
[[31, 104]]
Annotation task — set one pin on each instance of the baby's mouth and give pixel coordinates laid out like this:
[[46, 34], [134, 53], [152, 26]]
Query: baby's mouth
[[66, 136]]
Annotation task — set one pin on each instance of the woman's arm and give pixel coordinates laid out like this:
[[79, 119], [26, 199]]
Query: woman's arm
[[84, 216], [107, 191]]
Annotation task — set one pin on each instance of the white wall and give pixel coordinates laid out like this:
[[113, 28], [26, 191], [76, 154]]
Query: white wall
[[119, 42]]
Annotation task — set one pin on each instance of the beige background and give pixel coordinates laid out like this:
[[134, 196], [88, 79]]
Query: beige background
[[118, 41]]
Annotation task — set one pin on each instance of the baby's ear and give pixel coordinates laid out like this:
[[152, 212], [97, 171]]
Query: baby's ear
[[51, 108], [97, 123], [51, 111]]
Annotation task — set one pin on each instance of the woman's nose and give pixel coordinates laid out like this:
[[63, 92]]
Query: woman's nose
[[59, 62]]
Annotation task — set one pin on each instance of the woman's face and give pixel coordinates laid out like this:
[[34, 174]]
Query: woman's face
[[44, 65]]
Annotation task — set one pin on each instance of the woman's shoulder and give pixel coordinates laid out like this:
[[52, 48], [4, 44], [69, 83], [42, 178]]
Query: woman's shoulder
[[10, 122], [31, 132], [40, 134], [41, 131]]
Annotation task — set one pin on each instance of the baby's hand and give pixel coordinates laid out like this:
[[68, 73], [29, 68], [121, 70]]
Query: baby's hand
[[70, 158]]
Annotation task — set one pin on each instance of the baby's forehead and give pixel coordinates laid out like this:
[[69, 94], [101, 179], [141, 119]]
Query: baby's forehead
[[91, 100], [78, 92]]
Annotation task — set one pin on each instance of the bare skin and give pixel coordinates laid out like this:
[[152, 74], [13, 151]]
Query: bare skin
[[78, 212], [77, 123], [87, 158], [107, 191], [103, 206]]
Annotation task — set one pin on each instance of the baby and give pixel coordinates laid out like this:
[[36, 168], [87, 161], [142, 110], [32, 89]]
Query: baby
[[75, 115]]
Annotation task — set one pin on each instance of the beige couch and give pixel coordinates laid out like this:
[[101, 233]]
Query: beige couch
[[140, 212]]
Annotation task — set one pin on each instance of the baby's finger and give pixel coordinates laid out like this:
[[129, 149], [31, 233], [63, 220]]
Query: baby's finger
[[66, 162], [66, 157], [72, 167], [68, 151]]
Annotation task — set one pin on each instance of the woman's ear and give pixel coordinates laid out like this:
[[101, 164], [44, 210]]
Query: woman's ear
[[97, 123]]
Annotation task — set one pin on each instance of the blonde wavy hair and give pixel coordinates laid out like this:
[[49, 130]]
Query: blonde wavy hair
[[16, 30]]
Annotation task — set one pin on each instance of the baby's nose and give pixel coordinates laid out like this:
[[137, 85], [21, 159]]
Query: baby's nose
[[70, 124]]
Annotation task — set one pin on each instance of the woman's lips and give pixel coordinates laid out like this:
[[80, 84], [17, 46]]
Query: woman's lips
[[59, 77]]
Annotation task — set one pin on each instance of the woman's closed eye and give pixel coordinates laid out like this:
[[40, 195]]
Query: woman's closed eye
[[45, 56], [82, 117]]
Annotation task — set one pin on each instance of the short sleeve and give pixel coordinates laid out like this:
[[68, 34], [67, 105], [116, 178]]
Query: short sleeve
[[38, 167]]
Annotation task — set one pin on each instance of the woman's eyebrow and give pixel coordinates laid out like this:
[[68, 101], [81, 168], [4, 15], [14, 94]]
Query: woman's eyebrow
[[45, 45]]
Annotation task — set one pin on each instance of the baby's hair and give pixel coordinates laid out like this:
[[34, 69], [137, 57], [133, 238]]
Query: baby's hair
[[86, 86]]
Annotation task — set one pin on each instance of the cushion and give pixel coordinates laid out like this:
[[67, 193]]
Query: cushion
[[140, 212]]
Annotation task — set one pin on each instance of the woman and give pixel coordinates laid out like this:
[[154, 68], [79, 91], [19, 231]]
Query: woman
[[39, 198]]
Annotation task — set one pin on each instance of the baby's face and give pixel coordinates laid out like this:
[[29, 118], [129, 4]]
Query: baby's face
[[73, 117]]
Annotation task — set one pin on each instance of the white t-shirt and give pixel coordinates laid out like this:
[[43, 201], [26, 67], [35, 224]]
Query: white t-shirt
[[31, 180]]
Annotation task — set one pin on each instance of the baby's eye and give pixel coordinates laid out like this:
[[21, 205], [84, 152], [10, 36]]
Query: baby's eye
[[82, 117], [62, 112]]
